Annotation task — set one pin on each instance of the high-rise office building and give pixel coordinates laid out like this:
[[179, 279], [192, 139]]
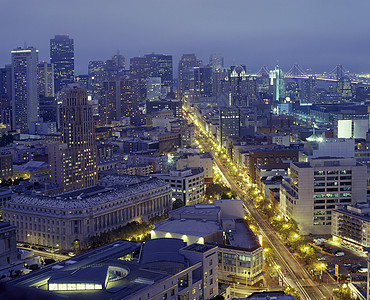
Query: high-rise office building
[[216, 62], [118, 99], [6, 82], [186, 73], [73, 163], [62, 56], [203, 81], [277, 82], [229, 123], [139, 71], [344, 89], [120, 62], [160, 65], [316, 187], [153, 88], [308, 90], [96, 77], [45, 79], [25, 98]]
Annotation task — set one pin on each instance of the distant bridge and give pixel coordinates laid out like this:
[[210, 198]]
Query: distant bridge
[[296, 72]]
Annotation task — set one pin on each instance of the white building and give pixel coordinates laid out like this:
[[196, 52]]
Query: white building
[[353, 128], [203, 160], [351, 226], [73, 217], [314, 188], [239, 258], [187, 184]]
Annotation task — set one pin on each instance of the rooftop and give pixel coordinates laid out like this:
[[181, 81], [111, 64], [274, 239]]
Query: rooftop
[[110, 188], [198, 228]]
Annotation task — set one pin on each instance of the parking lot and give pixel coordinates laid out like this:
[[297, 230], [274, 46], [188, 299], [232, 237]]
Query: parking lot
[[352, 265]]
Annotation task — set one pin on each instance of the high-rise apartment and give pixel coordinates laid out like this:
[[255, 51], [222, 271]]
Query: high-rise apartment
[[25, 98], [73, 162], [62, 56]]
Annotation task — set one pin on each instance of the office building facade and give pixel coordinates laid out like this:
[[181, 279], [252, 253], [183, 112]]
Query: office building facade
[[62, 57], [25, 98], [73, 162], [315, 187]]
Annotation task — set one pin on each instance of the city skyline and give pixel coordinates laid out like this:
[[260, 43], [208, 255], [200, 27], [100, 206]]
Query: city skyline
[[315, 35]]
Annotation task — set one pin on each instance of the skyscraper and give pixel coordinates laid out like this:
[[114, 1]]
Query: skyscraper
[[216, 62], [229, 123], [45, 79], [62, 56], [139, 72], [25, 98], [186, 73], [277, 82], [96, 77], [153, 88], [308, 90], [73, 163], [203, 81], [160, 65]]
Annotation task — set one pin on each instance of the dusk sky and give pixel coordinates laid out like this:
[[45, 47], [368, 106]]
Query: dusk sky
[[313, 33]]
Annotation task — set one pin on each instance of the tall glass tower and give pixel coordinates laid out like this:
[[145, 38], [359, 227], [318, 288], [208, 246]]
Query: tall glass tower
[[62, 56], [25, 98]]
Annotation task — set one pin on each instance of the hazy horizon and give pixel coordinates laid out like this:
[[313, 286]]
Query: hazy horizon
[[314, 34]]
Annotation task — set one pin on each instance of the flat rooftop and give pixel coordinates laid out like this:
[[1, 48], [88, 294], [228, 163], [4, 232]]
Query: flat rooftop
[[109, 189], [101, 263], [198, 228]]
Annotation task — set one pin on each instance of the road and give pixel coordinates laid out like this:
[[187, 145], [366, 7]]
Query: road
[[48, 254], [295, 275]]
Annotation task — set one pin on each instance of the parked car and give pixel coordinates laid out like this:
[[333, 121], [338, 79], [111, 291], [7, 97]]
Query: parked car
[[71, 254], [339, 254]]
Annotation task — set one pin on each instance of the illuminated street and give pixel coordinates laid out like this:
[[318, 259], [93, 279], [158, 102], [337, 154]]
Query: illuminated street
[[292, 272]]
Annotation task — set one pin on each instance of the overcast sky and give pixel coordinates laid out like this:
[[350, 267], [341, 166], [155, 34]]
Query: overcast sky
[[317, 34]]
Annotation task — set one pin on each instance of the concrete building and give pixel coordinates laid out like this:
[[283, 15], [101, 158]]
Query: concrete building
[[187, 184], [62, 57], [6, 165], [75, 216], [45, 79], [351, 226], [222, 223], [30, 168], [194, 160], [8, 247], [130, 271], [25, 98], [229, 120], [314, 188], [73, 163]]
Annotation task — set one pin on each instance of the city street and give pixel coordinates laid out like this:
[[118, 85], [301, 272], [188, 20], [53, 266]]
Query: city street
[[293, 272]]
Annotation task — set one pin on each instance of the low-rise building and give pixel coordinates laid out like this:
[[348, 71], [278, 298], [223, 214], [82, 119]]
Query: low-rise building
[[194, 160], [222, 223], [30, 168], [8, 249], [71, 218], [128, 270], [351, 226], [187, 184]]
